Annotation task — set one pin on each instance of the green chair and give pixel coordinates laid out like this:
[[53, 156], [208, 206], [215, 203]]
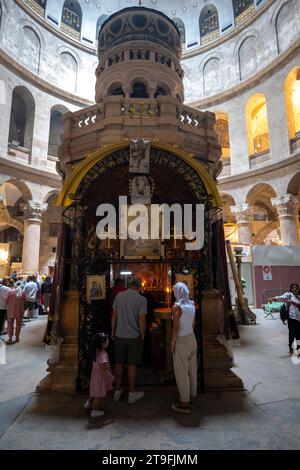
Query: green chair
[[270, 308]]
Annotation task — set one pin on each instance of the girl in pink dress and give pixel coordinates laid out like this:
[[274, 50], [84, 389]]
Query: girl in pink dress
[[101, 378], [15, 311]]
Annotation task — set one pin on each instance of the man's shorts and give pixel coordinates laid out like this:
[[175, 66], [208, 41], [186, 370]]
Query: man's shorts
[[30, 304], [129, 350]]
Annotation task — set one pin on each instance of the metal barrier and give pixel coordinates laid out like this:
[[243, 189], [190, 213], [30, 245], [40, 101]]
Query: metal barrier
[[272, 307]]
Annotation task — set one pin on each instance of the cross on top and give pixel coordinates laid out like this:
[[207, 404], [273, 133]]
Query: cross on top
[[140, 3]]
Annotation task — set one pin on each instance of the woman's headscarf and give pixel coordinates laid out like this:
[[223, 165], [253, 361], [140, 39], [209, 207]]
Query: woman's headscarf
[[19, 288], [181, 293]]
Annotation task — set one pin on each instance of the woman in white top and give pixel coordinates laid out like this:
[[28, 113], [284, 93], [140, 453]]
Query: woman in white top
[[184, 349], [293, 300]]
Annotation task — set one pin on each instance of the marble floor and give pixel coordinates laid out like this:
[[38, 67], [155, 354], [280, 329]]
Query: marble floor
[[265, 416]]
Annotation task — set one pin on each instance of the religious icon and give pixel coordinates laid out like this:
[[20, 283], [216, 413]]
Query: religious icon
[[140, 190], [95, 287], [139, 249], [139, 156]]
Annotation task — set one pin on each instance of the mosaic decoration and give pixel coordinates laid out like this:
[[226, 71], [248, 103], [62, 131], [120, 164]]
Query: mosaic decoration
[[209, 24], [243, 9], [71, 19], [38, 6], [241, 5]]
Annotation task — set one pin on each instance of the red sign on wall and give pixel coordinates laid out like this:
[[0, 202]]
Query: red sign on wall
[[267, 273]]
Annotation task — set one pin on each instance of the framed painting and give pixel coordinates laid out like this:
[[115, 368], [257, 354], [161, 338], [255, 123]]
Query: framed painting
[[95, 287], [139, 249]]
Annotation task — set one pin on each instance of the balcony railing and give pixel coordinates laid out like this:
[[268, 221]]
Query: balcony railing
[[295, 144], [118, 111]]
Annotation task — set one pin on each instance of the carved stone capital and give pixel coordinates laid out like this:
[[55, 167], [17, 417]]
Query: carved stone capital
[[242, 213], [286, 204], [33, 210]]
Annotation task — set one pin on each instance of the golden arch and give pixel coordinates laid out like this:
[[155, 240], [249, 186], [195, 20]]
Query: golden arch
[[73, 181]]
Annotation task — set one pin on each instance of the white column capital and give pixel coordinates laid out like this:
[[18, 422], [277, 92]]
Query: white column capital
[[242, 212], [33, 210], [286, 204]]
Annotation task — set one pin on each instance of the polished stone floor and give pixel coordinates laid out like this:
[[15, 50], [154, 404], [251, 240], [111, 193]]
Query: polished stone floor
[[265, 416]]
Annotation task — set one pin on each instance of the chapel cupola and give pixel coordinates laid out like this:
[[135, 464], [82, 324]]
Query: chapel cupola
[[139, 53]]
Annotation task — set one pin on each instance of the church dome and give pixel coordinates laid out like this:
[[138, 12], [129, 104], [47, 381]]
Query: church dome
[[139, 24]]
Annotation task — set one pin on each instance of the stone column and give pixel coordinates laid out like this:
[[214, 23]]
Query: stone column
[[287, 207], [33, 211], [243, 215], [40, 132], [239, 154], [277, 122]]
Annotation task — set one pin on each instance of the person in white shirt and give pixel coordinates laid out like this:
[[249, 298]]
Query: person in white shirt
[[4, 290], [184, 349], [292, 298], [30, 290]]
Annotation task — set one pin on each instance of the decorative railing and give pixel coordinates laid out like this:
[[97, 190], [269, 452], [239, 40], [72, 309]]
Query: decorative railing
[[189, 116], [117, 108], [115, 58], [139, 54], [162, 59], [136, 108], [88, 117]]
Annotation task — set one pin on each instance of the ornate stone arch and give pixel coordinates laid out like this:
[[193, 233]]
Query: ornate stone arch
[[73, 182], [283, 4], [209, 66], [39, 54], [264, 232], [70, 81], [253, 35], [293, 186]]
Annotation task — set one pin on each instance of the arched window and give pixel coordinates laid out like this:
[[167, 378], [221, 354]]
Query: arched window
[[71, 18], [212, 76], [284, 32], [209, 24], [180, 25], [118, 91], [242, 10], [30, 49], [222, 131], [67, 74], [160, 92], [100, 22], [139, 90], [21, 119], [292, 101], [115, 89], [257, 125], [55, 130]]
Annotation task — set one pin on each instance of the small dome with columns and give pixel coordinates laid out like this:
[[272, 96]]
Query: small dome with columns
[[140, 48], [139, 24]]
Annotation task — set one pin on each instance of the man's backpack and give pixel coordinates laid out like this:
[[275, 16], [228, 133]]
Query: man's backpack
[[284, 313]]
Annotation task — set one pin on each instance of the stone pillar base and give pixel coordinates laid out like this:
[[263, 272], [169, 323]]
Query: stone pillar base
[[62, 376], [217, 362]]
